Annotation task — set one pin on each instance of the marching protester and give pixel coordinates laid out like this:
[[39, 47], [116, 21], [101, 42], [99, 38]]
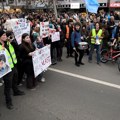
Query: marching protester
[[76, 39], [38, 43], [10, 79]]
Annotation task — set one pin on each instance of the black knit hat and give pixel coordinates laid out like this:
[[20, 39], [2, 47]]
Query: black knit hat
[[2, 32], [77, 24]]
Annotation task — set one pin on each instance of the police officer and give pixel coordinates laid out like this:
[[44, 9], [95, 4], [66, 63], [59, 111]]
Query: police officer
[[10, 79]]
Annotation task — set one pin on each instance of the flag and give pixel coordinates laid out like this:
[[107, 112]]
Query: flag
[[92, 5]]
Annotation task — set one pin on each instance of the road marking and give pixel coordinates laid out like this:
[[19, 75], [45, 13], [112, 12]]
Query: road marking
[[85, 78]]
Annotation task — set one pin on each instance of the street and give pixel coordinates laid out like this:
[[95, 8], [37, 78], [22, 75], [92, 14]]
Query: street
[[89, 92]]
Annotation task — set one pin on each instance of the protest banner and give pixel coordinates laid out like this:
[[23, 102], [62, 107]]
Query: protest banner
[[55, 36], [19, 27], [41, 60], [44, 29], [51, 31], [4, 64]]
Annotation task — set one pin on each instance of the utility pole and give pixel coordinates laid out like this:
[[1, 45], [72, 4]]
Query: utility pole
[[3, 4], [55, 9]]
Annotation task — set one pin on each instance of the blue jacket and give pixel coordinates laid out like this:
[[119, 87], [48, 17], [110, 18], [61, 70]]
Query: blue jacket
[[75, 38]]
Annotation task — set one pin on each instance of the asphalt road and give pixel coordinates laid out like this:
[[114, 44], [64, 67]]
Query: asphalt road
[[68, 97]]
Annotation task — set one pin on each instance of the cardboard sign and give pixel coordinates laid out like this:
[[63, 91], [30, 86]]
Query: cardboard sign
[[19, 27], [55, 36], [41, 60], [44, 29], [4, 64]]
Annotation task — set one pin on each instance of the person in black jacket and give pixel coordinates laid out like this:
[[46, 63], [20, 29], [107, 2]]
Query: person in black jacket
[[26, 51]]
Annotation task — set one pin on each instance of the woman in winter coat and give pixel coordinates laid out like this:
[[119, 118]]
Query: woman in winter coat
[[26, 52]]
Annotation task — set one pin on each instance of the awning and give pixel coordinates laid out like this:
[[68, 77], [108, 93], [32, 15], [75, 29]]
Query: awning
[[115, 5]]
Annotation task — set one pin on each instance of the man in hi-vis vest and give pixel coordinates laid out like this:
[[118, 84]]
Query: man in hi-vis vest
[[69, 30], [10, 79], [96, 37]]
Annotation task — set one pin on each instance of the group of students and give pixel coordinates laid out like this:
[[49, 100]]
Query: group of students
[[96, 31]]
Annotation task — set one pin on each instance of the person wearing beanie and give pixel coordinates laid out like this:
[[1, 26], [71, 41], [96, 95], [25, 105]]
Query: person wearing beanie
[[76, 39], [10, 79]]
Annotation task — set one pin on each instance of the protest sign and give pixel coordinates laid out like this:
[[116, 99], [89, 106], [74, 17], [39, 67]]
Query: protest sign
[[4, 64], [55, 36], [19, 27], [41, 60], [44, 29], [51, 31]]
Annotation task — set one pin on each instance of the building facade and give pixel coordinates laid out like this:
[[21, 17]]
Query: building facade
[[59, 3]]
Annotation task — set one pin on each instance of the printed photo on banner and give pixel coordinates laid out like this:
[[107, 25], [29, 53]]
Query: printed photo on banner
[[44, 29], [41, 60], [19, 26], [55, 36], [4, 64]]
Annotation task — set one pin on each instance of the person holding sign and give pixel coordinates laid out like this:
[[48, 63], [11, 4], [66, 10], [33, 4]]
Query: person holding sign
[[96, 36], [26, 51], [10, 79]]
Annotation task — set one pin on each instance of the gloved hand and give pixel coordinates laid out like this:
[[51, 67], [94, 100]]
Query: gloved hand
[[74, 48]]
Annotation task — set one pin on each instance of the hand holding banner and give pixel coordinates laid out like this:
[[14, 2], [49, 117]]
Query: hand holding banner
[[41, 60], [4, 64], [55, 36]]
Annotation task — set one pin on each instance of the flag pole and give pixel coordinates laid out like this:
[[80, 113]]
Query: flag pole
[[87, 16]]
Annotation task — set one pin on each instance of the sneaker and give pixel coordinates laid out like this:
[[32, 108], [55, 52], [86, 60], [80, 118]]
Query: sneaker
[[9, 106], [20, 84], [43, 80], [71, 56], [81, 63], [19, 93], [98, 63], [77, 64], [90, 61], [67, 56]]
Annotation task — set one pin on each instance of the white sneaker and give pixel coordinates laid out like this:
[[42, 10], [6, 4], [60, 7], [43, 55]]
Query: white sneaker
[[43, 80]]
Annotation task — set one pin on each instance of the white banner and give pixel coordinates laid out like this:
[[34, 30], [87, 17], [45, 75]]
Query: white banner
[[75, 5], [41, 60], [44, 29], [4, 64], [55, 36], [19, 27]]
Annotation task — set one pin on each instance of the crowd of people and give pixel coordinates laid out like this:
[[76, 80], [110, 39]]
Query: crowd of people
[[96, 30]]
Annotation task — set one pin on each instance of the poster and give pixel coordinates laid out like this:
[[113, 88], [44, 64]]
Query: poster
[[4, 65], [41, 60], [19, 27], [44, 29], [55, 36]]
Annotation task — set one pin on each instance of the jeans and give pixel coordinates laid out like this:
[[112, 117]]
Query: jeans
[[97, 47], [10, 81]]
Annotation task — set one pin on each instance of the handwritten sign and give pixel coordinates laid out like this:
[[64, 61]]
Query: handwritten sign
[[44, 29], [4, 64], [55, 36], [19, 27], [41, 60]]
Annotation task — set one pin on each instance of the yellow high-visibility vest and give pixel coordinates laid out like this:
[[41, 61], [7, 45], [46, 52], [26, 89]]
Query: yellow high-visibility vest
[[93, 40], [12, 60]]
